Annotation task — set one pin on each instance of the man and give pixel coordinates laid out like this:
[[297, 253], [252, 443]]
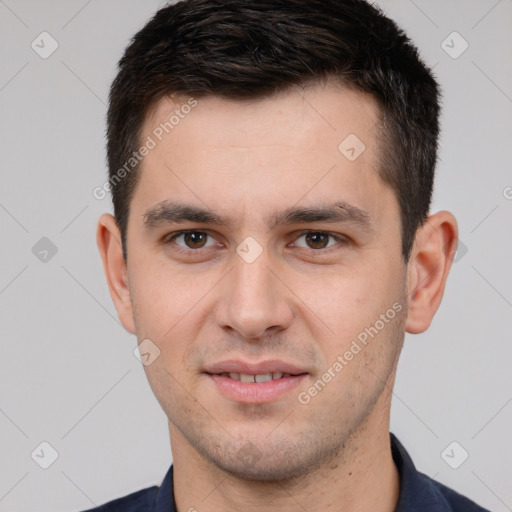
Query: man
[[271, 165]]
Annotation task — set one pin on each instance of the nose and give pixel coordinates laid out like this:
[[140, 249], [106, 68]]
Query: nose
[[254, 301]]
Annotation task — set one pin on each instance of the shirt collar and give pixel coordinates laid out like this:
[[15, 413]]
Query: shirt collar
[[165, 498], [418, 493]]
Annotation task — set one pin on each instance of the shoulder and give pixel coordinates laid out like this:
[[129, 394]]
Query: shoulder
[[150, 499], [420, 493], [140, 501], [457, 502]]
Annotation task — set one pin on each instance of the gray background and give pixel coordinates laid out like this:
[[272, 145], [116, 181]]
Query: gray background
[[68, 373]]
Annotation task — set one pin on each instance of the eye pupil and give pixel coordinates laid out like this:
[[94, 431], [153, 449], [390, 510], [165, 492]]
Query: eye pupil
[[195, 239], [317, 240]]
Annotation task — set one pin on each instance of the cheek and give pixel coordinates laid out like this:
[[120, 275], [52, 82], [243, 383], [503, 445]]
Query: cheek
[[349, 302], [170, 308], [162, 296], [364, 312]]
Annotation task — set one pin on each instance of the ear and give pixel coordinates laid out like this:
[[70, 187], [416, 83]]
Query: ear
[[108, 238], [434, 247]]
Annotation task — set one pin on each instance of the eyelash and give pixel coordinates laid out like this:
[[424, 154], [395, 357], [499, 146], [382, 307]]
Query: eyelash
[[340, 239]]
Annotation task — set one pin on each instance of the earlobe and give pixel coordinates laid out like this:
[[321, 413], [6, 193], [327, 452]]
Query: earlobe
[[435, 245], [108, 238]]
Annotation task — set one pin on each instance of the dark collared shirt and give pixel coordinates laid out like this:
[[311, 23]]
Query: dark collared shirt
[[418, 493]]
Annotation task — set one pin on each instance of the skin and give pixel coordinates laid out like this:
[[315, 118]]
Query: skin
[[297, 302]]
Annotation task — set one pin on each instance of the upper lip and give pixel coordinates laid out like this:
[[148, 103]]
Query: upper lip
[[260, 368]]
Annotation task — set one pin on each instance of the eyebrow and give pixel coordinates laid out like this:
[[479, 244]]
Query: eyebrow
[[171, 212]]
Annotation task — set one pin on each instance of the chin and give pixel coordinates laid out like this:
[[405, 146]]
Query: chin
[[267, 471], [270, 462]]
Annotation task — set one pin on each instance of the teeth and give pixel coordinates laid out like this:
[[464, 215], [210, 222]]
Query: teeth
[[263, 377]]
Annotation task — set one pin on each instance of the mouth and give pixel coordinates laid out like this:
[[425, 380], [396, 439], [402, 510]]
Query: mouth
[[254, 383], [260, 377]]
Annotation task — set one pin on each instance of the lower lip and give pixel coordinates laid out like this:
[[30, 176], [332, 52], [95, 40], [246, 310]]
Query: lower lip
[[255, 392]]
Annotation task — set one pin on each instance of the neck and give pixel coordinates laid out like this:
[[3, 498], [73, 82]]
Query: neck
[[361, 477]]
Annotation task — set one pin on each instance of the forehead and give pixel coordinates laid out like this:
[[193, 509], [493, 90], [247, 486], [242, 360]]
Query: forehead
[[295, 114], [315, 142]]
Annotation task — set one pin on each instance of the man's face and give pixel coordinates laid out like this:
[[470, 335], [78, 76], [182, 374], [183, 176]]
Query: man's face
[[215, 305]]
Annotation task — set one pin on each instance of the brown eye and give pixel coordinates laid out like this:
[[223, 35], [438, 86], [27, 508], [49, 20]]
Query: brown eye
[[195, 239], [192, 240], [317, 240]]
